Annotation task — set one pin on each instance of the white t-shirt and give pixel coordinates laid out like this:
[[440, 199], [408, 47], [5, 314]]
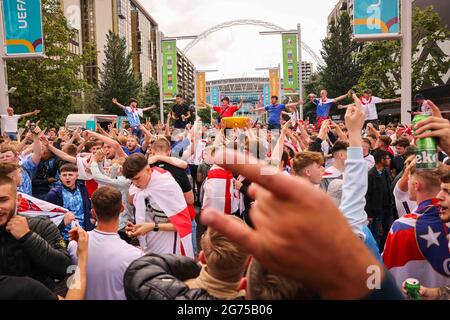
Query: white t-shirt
[[370, 107], [370, 160], [108, 259], [403, 203], [162, 242], [9, 123]]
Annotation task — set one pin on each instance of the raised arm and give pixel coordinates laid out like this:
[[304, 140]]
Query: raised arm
[[150, 108], [341, 135], [109, 141], [277, 154], [170, 160], [241, 103], [101, 177], [167, 127], [207, 104], [355, 184], [114, 100], [37, 146], [60, 154], [391, 100], [258, 109], [29, 114], [343, 96], [293, 105]]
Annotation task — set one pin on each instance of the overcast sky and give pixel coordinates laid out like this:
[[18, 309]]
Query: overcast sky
[[237, 51]]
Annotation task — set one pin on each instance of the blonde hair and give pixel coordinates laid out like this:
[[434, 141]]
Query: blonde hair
[[305, 159], [225, 260], [265, 285]]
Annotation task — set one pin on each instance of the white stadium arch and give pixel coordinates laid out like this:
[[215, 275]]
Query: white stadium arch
[[249, 22]]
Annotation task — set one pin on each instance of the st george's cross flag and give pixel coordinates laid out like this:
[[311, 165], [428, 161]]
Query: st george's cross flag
[[418, 247], [33, 207], [164, 196], [219, 190]]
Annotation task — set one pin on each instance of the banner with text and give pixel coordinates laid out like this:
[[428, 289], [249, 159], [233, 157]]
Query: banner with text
[[23, 28], [290, 64], [201, 88], [266, 94], [274, 79], [376, 17], [215, 96], [170, 69]]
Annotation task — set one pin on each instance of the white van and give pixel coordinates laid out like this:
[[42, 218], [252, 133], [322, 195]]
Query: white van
[[89, 121]]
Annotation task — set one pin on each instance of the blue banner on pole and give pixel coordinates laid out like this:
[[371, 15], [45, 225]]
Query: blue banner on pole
[[215, 96], [23, 27], [376, 17], [266, 94]]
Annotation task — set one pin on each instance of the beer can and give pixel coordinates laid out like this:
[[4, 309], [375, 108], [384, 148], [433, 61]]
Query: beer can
[[413, 288], [426, 152]]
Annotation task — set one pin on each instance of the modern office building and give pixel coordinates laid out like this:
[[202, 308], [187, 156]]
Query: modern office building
[[339, 8], [94, 18], [307, 70], [186, 77]]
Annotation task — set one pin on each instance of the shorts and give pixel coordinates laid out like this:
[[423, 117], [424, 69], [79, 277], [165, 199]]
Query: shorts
[[274, 126], [320, 120], [11, 135]]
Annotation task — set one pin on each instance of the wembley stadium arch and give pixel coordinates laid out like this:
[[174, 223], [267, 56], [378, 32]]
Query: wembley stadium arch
[[249, 22]]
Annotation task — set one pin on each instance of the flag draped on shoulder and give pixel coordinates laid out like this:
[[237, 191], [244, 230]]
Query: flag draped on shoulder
[[167, 194], [33, 207], [418, 247], [219, 191]]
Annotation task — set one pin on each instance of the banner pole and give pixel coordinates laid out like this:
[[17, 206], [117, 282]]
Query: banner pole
[[406, 43], [300, 69], [4, 97]]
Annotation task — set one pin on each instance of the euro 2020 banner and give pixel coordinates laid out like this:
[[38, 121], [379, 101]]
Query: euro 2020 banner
[[170, 68], [376, 17], [23, 27]]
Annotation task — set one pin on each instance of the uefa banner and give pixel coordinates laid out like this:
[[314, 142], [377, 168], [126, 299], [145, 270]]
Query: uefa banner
[[201, 87], [266, 94], [215, 97], [23, 28], [376, 17], [290, 63], [170, 69], [274, 79]]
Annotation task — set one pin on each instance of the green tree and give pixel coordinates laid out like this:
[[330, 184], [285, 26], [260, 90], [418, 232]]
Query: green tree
[[205, 115], [118, 79], [49, 83], [342, 70], [150, 96], [381, 60]]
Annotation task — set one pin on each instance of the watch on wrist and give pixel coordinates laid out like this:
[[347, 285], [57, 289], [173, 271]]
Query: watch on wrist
[[156, 227]]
